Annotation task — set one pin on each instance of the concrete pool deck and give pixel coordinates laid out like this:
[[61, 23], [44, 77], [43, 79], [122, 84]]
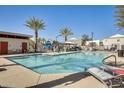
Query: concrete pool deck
[[19, 76]]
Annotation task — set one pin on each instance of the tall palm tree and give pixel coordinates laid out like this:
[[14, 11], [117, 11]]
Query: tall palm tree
[[120, 16], [65, 32], [84, 38], [35, 25]]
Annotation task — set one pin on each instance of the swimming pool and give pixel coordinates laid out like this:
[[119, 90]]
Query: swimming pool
[[67, 63]]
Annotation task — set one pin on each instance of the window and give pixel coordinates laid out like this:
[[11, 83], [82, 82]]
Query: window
[[118, 40]]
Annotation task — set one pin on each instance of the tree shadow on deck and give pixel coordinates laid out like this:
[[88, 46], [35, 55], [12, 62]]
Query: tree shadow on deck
[[8, 65], [3, 67], [70, 79]]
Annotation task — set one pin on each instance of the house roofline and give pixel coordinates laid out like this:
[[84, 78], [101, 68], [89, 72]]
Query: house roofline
[[17, 34]]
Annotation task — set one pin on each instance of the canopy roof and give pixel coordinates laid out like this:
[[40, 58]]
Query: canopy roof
[[117, 36], [70, 43], [73, 38]]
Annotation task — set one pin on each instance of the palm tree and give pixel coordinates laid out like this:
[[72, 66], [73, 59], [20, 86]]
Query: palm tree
[[65, 32], [120, 16], [35, 25], [84, 38]]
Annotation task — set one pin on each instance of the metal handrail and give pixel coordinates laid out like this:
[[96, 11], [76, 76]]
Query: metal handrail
[[103, 61]]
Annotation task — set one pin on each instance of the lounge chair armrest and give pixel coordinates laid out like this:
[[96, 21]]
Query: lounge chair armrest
[[121, 75], [116, 77]]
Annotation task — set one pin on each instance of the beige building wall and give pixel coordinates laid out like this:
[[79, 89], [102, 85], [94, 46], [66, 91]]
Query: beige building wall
[[15, 44], [112, 41], [97, 42], [78, 42]]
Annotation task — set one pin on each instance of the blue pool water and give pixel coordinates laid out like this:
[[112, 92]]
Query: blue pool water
[[67, 63]]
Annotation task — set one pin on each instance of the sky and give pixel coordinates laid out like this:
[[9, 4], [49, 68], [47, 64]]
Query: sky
[[80, 19]]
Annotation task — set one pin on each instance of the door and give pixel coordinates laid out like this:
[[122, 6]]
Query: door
[[3, 47], [122, 47], [24, 47]]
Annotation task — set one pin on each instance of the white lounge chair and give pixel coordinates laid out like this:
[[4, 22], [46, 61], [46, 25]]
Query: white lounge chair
[[106, 78], [108, 67]]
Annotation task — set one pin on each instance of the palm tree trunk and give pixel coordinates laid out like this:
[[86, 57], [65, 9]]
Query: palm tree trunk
[[36, 36], [65, 38]]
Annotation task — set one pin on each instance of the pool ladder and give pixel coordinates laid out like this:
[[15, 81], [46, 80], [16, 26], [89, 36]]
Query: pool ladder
[[115, 59]]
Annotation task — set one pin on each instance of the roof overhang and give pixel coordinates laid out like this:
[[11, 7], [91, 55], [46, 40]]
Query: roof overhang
[[16, 34]]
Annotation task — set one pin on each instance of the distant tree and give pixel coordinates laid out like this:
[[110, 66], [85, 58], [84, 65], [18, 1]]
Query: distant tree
[[84, 38], [39, 40], [43, 40], [92, 44], [120, 16], [65, 32], [31, 43], [55, 43], [35, 25]]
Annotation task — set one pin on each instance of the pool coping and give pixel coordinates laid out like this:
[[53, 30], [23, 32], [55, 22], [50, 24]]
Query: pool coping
[[52, 53]]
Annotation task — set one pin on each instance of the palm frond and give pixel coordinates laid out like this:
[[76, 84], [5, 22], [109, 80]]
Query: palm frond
[[120, 16], [35, 24], [65, 32]]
